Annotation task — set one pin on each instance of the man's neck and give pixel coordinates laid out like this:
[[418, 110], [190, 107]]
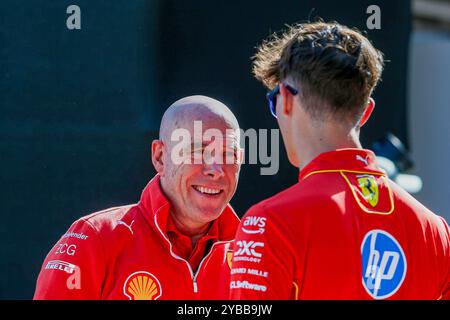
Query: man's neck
[[190, 229], [326, 140]]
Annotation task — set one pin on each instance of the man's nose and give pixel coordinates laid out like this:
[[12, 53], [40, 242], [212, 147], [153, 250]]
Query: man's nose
[[213, 170]]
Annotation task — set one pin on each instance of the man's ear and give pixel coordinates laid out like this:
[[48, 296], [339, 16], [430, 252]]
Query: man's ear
[[157, 156], [287, 100], [367, 112]]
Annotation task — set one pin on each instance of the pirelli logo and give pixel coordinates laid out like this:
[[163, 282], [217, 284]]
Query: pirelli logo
[[74, 280], [60, 265]]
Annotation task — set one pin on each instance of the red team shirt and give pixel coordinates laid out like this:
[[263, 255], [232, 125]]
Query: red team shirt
[[344, 231], [135, 252]]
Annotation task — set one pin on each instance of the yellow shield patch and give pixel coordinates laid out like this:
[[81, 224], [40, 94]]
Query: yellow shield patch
[[369, 188], [230, 258]]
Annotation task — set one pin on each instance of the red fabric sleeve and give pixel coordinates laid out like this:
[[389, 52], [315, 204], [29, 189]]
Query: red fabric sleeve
[[446, 290], [75, 266], [263, 260]]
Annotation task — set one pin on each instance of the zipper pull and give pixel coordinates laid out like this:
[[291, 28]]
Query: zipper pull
[[195, 287]]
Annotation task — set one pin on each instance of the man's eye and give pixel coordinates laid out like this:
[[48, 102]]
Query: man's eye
[[230, 157]]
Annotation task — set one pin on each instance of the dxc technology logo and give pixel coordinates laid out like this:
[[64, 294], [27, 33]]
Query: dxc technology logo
[[383, 264]]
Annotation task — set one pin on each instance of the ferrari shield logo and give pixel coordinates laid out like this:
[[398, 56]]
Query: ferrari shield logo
[[369, 187], [229, 258]]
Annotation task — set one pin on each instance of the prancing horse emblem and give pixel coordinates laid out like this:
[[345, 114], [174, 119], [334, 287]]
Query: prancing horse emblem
[[369, 187]]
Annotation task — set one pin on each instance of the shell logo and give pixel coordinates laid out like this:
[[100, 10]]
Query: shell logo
[[142, 285]]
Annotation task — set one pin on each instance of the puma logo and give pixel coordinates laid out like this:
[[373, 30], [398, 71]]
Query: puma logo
[[366, 160], [120, 222]]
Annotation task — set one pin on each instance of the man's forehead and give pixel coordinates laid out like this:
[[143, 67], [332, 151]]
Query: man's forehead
[[199, 129], [206, 139], [227, 135], [198, 115], [211, 121]]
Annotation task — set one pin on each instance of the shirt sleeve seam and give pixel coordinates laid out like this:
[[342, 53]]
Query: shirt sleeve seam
[[102, 247]]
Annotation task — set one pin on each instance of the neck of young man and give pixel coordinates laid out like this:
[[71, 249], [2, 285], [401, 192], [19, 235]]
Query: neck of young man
[[326, 140]]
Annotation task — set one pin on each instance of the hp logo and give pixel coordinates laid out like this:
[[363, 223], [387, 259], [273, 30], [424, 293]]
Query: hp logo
[[383, 264]]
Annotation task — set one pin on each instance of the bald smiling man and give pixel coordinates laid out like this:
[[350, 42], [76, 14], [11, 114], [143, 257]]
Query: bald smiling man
[[175, 242]]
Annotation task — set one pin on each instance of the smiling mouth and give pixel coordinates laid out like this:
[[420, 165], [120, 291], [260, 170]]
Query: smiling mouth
[[208, 191]]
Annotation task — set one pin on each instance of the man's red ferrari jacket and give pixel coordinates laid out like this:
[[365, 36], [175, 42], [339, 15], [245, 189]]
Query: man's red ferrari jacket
[[344, 231], [125, 253]]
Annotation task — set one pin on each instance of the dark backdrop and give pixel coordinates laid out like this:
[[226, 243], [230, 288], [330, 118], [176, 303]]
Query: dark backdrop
[[79, 108]]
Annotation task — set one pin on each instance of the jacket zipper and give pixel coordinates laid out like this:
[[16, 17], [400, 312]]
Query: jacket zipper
[[193, 276], [201, 262]]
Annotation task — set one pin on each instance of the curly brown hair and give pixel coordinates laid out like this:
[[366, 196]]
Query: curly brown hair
[[336, 68]]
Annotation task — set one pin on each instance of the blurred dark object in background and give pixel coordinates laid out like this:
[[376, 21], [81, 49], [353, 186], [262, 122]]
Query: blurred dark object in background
[[393, 157], [392, 148]]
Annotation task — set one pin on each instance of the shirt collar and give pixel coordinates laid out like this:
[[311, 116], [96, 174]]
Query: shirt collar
[[356, 160], [213, 231]]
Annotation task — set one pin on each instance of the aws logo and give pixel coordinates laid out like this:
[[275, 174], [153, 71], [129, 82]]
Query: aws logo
[[254, 225], [142, 285]]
